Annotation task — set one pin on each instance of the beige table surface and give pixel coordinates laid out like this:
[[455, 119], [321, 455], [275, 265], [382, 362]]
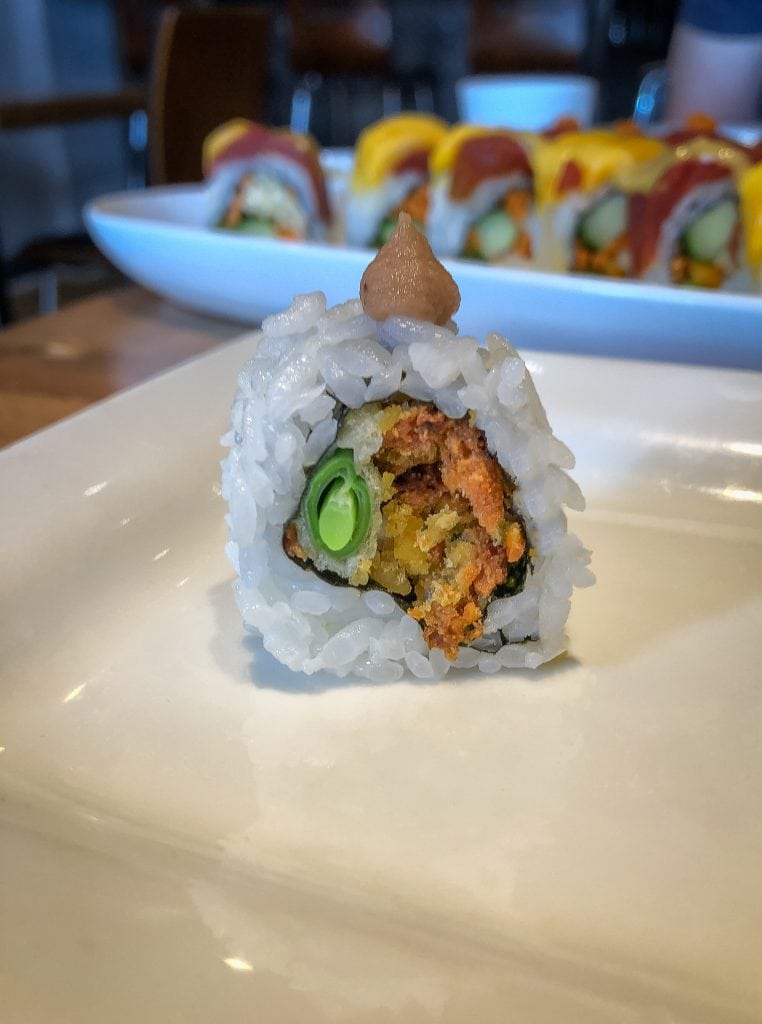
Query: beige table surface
[[54, 365]]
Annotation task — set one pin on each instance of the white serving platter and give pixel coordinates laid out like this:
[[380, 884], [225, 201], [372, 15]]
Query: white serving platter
[[159, 238], [190, 833]]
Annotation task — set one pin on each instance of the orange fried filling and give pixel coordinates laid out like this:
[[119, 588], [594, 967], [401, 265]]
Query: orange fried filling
[[685, 270], [600, 261], [449, 536]]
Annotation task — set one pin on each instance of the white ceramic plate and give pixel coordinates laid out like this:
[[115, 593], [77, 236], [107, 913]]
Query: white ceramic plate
[[190, 833], [159, 238]]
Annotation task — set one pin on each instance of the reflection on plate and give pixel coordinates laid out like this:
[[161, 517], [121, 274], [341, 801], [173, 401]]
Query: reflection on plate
[[159, 238], [204, 832]]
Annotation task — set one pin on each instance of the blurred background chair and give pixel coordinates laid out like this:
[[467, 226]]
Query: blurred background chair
[[527, 35], [625, 39], [193, 67], [338, 51], [209, 65], [353, 61]]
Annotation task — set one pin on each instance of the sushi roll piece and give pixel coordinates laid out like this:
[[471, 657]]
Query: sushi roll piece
[[482, 195], [684, 215], [390, 176], [265, 182], [582, 213], [396, 495]]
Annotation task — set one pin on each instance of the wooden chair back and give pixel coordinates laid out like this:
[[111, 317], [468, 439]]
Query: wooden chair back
[[209, 65], [337, 37]]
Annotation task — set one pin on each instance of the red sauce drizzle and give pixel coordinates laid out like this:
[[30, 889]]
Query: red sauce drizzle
[[486, 156], [417, 161], [569, 179]]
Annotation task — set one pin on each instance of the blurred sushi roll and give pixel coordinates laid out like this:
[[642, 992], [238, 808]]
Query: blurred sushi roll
[[684, 214], [582, 211], [396, 495], [265, 182], [390, 175], [482, 195]]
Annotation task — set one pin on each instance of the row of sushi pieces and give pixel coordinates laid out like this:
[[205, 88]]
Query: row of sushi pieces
[[685, 208]]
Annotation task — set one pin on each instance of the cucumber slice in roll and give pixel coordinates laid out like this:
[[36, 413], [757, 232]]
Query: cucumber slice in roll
[[496, 234], [604, 222], [255, 226], [710, 233]]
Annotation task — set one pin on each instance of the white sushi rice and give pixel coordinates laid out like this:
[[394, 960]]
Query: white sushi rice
[[310, 361]]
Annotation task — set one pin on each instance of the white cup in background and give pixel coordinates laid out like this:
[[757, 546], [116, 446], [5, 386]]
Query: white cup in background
[[526, 102]]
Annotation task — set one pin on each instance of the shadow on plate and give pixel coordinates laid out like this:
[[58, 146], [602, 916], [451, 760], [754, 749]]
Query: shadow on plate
[[240, 654]]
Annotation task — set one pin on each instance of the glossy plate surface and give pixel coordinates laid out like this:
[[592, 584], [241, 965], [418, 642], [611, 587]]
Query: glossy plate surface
[[159, 238], [192, 833]]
